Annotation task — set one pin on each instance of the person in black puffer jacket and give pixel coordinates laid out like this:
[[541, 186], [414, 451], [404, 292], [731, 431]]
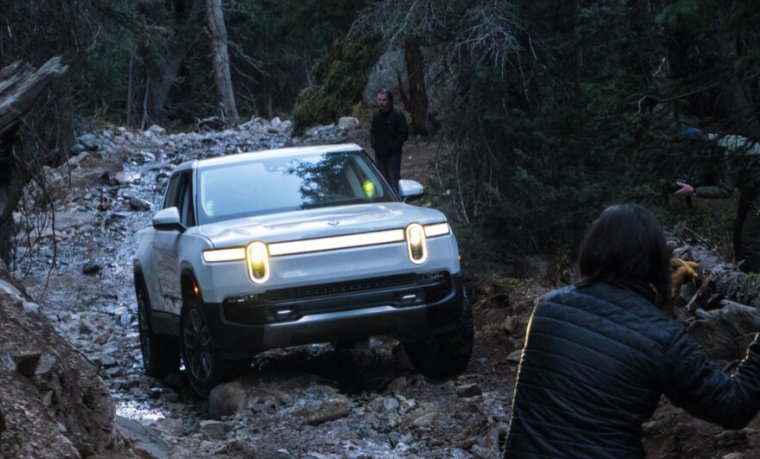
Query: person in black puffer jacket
[[599, 354]]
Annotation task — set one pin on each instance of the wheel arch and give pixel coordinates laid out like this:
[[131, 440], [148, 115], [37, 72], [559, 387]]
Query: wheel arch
[[189, 286]]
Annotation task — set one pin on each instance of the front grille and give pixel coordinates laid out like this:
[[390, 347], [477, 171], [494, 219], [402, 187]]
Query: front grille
[[291, 303], [339, 288]]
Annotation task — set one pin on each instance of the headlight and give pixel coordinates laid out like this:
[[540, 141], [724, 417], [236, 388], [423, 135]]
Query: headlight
[[437, 229], [416, 243], [258, 262], [221, 255]]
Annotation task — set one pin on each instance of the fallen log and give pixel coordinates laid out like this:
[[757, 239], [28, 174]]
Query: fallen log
[[722, 308], [20, 85], [20, 88], [727, 281]]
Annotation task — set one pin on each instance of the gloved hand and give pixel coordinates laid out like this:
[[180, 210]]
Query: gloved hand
[[681, 271], [685, 189]]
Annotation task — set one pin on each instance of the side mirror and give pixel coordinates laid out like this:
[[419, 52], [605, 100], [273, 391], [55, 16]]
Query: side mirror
[[410, 189], [168, 220]]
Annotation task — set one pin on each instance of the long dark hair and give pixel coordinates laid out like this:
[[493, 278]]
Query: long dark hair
[[626, 244]]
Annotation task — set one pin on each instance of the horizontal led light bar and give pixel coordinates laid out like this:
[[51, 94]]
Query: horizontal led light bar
[[439, 229], [219, 255], [325, 243], [336, 242]]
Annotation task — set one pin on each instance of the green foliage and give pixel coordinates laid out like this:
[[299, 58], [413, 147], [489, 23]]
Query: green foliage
[[551, 163], [340, 80], [596, 121], [278, 42]]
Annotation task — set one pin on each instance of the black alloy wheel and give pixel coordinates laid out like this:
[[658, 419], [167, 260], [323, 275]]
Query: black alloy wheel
[[197, 352], [205, 367], [445, 354]]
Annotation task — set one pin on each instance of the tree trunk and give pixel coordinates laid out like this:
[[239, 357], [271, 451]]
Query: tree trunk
[[221, 59], [735, 97], [418, 99], [158, 85]]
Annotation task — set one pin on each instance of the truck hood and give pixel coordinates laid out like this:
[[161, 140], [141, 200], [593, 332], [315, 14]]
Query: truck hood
[[315, 223]]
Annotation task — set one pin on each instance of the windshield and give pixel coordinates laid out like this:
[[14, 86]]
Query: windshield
[[257, 187]]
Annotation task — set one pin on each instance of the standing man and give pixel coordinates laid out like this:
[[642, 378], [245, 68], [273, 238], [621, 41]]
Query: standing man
[[742, 173], [387, 135]]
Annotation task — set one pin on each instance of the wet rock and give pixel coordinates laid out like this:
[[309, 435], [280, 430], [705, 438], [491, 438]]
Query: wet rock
[[125, 318], [156, 129], [348, 122], [7, 364], [78, 158], [469, 390], [481, 452], [45, 365], [90, 142], [426, 419], [283, 454], [212, 429], [127, 177], [514, 356], [73, 219], [328, 410], [55, 405], [172, 426], [144, 441], [139, 205], [77, 148], [512, 325], [226, 399], [391, 404], [107, 361]]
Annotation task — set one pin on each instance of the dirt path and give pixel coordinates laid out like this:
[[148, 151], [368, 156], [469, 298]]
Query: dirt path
[[309, 402]]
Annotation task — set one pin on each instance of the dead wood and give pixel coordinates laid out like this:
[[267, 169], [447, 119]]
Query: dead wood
[[722, 308], [20, 85], [20, 89]]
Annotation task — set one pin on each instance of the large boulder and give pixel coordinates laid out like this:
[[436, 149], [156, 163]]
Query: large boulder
[[52, 401]]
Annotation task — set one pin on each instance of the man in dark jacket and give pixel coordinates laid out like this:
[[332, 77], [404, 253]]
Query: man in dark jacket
[[742, 173], [598, 354], [387, 134]]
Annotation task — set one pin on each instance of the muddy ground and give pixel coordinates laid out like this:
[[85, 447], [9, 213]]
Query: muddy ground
[[306, 402]]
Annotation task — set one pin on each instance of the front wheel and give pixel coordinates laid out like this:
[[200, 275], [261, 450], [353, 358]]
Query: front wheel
[[444, 354], [203, 362], [160, 353]]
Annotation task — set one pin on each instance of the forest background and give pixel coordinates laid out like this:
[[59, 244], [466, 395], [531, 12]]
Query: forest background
[[551, 110]]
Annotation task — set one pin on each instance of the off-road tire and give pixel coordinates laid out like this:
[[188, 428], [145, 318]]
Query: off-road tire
[[160, 353], [444, 354], [205, 367]]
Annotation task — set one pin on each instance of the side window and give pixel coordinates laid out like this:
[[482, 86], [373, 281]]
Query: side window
[[171, 199], [179, 194], [185, 204]]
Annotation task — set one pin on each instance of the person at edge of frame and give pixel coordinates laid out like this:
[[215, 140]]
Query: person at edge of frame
[[598, 354]]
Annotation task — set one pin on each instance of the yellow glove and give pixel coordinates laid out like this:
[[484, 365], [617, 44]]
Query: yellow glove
[[682, 271]]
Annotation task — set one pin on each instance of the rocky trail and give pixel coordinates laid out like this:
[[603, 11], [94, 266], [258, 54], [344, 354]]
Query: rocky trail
[[310, 402]]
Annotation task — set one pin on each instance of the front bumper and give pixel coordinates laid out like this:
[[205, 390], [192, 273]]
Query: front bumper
[[402, 306]]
